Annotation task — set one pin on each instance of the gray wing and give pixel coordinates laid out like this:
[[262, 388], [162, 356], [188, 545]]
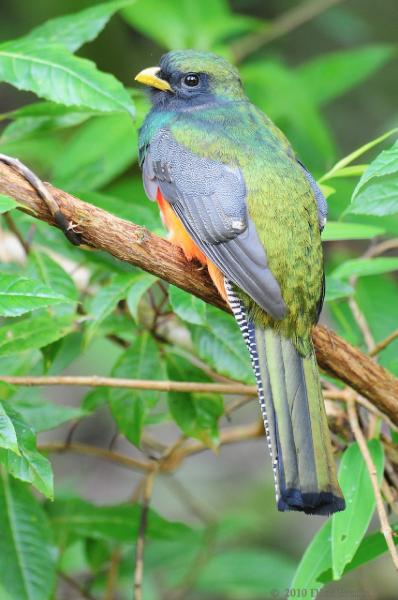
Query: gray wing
[[210, 200]]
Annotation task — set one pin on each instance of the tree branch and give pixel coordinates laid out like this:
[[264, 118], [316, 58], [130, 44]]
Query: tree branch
[[136, 245]]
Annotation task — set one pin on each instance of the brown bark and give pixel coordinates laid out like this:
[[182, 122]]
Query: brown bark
[[136, 245]]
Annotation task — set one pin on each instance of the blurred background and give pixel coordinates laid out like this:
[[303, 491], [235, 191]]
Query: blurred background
[[327, 109]]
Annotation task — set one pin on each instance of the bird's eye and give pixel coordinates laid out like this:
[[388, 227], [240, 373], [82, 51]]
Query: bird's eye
[[191, 80]]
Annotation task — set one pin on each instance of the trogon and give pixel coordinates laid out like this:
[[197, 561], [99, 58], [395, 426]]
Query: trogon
[[234, 196]]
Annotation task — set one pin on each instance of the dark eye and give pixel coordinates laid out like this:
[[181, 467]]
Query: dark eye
[[191, 80]]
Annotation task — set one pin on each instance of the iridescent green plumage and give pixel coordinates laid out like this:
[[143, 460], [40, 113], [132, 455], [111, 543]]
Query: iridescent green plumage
[[201, 132]]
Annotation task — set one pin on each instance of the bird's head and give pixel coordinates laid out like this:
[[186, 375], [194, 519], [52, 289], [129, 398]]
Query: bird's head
[[189, 78]]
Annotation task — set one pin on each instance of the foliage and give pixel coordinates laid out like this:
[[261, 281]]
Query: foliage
[[61, 303]]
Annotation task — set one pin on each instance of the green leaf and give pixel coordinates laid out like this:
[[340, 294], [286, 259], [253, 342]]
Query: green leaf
[[336, 289], [196, 414], [72, 31], [43, 415], [344, 162], [187, 307], [6, 204], [42, 267], [220, 343], [198, 25], [30, 465], [27, 561], [33, 332], [105, 301], [21, 295], [360, 267], [85, 164], [53, 73], [245, 573], [141, 282], [8, 437], [349, 526], [116, 522], [315, 568], [316, 559], [377, 298], [25, 128], [331, 75], [140, 361], [336, 230], [377, 190], [371, 547]]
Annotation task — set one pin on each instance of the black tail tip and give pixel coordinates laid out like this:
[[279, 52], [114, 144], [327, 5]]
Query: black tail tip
[[314, 503]]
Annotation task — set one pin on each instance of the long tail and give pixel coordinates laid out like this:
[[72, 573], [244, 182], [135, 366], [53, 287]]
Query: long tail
[[295, 420]]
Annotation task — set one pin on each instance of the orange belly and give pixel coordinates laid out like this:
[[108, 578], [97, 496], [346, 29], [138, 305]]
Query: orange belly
[[179, 236]]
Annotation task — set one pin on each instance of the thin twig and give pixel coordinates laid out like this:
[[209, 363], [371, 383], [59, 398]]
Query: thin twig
[[139, 552], [287, 22], [381, 511], [111, 580], [14, 229], [345, 396], [384, 343], [173, 456], [381, 248], [121, 459], [137, 384], [362, 323]]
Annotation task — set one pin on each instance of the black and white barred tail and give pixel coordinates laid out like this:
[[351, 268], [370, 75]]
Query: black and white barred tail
[[294, 419]]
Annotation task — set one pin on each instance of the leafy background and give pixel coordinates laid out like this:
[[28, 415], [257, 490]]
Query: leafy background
[[213, 530]]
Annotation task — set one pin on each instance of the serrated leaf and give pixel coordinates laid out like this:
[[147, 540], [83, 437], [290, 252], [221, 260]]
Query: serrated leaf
[[360, 267], [118, 522], [331, 75], [30, 466], [6, 204], [377, 190], [33, 332], [74, 30], [27, 562], [21, 295], [53, 73], [186, 306], [336, 230], [105, 301], [349, 526], [140, 361], [8, 437], [220, 343], [141, 283]]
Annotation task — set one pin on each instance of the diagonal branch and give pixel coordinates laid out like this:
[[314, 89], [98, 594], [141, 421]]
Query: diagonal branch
[[136, 245]]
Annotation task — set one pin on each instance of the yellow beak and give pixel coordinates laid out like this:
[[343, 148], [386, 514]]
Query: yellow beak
[[150, 77]]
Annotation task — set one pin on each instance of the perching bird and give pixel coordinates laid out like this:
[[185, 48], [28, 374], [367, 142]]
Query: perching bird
[[234, 196]]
